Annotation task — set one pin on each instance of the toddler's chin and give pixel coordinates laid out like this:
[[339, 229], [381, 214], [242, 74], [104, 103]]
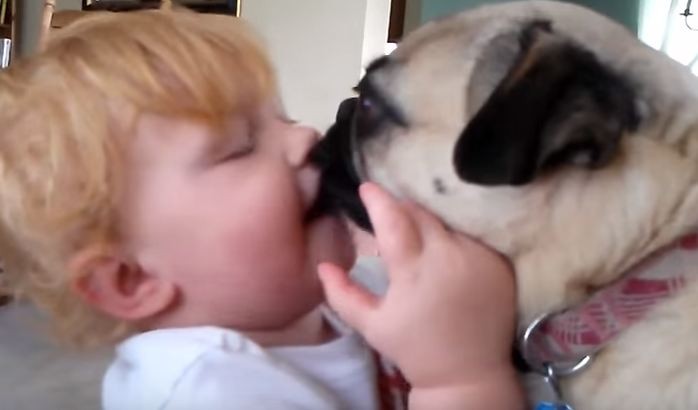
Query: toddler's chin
[[330, 241]]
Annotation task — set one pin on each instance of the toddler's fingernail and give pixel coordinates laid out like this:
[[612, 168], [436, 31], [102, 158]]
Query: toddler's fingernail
[[367, 189]]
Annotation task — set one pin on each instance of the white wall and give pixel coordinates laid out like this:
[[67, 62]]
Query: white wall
[[662, 27], [375, 30], [320, 48]]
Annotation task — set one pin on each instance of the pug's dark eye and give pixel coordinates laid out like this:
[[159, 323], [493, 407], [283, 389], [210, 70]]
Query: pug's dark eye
[[373, 109]]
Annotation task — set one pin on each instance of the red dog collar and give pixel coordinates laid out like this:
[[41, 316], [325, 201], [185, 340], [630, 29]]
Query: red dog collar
[[573, 336]]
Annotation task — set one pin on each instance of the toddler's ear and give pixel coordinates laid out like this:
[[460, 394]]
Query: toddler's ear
[[121, 289]]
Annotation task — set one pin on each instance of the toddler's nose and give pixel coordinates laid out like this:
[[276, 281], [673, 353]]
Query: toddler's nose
[[300, 143]]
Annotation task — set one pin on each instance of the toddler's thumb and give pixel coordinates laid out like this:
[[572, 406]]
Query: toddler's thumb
[[351, 302]]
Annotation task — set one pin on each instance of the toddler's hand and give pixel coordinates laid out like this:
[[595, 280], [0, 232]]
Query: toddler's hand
[[447, 318]]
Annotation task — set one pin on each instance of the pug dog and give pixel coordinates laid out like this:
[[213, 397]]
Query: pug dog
[[552, 134]]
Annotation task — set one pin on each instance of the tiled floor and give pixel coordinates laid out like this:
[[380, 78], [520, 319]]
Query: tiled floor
[[37, 375]]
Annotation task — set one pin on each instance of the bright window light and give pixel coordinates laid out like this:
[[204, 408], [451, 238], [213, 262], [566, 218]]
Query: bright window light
[[664, 28]]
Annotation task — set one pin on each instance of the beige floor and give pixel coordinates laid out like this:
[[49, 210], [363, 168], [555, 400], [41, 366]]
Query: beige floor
[[37, 375]]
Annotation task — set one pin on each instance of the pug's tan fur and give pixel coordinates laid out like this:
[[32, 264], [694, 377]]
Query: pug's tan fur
[[571, 230]]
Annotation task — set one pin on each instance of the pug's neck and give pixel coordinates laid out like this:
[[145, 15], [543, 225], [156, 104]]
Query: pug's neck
[[598, 225]]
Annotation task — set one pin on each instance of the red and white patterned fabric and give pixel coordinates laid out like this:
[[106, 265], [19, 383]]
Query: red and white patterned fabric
[[393, 389], [578, 332]]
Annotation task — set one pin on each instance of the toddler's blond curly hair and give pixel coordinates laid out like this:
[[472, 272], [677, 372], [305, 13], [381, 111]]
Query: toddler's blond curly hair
[[65, 116]]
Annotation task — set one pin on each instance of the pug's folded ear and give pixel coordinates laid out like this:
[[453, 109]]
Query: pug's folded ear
[[556, 105]]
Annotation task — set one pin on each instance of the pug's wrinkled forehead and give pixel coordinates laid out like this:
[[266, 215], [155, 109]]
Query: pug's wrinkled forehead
[[428, 68], [473, 51]]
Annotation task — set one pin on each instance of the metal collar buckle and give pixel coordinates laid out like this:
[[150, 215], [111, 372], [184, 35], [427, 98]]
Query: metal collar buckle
[[551, 372], [545, 368]]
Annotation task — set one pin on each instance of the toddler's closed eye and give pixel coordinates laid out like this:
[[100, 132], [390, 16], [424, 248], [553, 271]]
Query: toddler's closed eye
[[240, 146]]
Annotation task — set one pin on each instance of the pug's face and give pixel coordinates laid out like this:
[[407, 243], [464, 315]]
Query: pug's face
[[532, 126]]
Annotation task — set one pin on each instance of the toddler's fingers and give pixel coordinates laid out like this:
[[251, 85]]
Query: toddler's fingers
[[396, 232], [351, 302]]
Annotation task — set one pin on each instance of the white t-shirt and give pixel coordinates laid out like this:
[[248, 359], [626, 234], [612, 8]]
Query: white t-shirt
[[211, 368]]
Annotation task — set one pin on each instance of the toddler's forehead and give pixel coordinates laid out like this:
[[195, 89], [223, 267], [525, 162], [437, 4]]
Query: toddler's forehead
[[210, 134]]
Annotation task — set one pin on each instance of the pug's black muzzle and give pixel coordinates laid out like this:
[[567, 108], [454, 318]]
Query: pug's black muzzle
[[339, 183]]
